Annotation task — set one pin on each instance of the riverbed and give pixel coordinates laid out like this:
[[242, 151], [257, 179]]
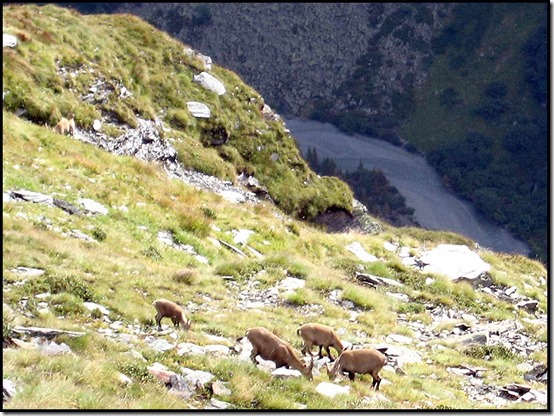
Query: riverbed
[[435, 207]]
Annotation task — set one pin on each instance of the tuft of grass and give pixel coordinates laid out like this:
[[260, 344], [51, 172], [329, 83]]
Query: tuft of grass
[[185, 276]]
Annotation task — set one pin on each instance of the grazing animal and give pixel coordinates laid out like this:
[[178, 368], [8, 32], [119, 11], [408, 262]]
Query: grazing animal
[[270, 347], [168, 309], [366, 361], [65, 126], [322, 336]]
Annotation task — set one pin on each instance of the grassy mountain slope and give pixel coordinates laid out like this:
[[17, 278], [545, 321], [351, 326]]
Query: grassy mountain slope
[[159, 73], [126, 267]]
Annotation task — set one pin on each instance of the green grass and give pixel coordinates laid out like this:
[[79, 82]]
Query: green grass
[[126, 268]]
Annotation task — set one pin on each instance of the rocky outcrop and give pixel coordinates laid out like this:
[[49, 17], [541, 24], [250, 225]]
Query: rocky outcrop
[[287, 53]]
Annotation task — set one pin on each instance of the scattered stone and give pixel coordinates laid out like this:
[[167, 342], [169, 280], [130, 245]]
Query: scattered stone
[[210, 83], [390, 247], [52, 348], [401, 339], [524, 367], [161, 345], [217, 350], [331, 389], [269, 114], [23, 344], [400, 296], [218, 404], [199, 110], [91, 306], [286, 372], [196, 377], [377, 397], [66, 206], [291, 284], [8, 388], [477, 338], [31, 196], [374, 281], [81, 236], [8, 41], [97, 125], [44, 332], [220, 389], [454, 261], [28, 271], [186, 348], [539, 373], [529, 305], [357, 249], [123, 379], [92, 207], [241, 236]]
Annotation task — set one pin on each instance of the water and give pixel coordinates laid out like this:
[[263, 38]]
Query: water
[[435, 207]]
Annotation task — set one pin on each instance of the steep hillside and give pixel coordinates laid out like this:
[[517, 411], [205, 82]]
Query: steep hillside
[[482, 118], [75, 68], [142, 203], [466, 83]]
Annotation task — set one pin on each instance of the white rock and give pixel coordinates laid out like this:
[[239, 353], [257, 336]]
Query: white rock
[[188, 348], [27, 271], [389, 247], [401, 339], [206, 60], [92, 206], [233, 196], [217, 350], [399, 296], [52, 348], [218, 404], [161, 345], [331, 389], [9, 41], [241, 236], [285, 372], [96, 125], [357, 249], [454, 261], [210, 83], [201, 259], [291, 283], [43, 295], [199, 110], [35, 197], [8, 388], [196, 376], [123, 379]]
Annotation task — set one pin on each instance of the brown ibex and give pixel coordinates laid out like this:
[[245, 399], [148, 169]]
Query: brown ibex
[[168, 309], [270, 347], [366, 361], [322, 336], [66, 126]]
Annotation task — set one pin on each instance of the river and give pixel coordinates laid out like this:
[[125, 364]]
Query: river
[[435, 207]]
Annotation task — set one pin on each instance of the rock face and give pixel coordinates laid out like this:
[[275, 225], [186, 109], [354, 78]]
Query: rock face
[[283, 47]]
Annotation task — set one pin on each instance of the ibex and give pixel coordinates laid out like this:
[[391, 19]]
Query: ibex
[[169, 309], [66, 126], [270, 347], [367, 361], [322, 336]]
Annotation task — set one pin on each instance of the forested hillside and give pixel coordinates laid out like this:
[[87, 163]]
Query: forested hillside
[[482, 117]]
